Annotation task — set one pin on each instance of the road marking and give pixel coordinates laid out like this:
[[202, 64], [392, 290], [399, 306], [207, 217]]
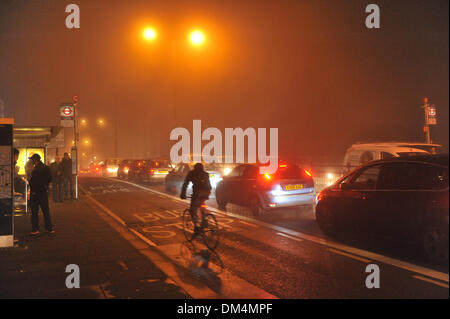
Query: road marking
[[248, 224], [290, 237], [117, 218], [431, 281], [231, 285], [349, 255], [123, 265], [106, 210], [148, 241], [318, 240]]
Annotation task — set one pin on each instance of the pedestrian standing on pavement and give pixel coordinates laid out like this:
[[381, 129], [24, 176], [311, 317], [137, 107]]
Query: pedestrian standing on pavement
[[66, 167], [28, 169], [56, 180], [39, 181]]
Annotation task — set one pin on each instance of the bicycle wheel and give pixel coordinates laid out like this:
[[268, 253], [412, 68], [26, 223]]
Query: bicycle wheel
[[188, 225], [210, 232]]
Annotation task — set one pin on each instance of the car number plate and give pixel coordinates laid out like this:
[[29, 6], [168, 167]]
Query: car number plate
[[293, 187]]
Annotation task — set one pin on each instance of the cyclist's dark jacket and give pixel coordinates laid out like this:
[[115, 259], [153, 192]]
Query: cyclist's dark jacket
[[200, 181]]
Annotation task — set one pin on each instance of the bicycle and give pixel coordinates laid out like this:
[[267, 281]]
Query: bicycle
[[209, 228]]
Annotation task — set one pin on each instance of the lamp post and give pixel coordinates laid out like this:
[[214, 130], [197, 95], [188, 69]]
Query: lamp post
[[196, 37]]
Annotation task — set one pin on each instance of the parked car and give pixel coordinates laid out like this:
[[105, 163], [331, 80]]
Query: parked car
[[244, 185], [402, 199], [124, 166]]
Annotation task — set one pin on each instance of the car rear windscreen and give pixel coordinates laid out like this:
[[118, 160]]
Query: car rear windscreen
[[290, 172]]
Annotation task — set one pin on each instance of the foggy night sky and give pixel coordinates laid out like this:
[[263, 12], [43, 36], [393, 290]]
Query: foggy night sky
[[310, 68]]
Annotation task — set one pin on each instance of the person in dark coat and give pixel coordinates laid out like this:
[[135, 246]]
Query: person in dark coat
[[39, 181], [201, 190], [66, 170], [57, 185]]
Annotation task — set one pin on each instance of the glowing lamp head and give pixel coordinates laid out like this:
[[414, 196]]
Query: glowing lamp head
[[197, 37], [149, 34]]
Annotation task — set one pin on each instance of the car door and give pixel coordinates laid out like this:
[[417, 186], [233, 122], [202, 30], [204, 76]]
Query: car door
[[356, 202], [247, 187], [405, 197], [231, 182]]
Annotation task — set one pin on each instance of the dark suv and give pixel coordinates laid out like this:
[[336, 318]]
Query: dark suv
[[403, 199], [244, 185]]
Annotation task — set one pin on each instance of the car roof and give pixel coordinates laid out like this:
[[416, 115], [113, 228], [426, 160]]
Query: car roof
[[439, 159], [392, 144]]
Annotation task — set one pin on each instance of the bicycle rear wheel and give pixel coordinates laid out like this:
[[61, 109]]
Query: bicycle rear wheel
[[210, 231], [188, 225]]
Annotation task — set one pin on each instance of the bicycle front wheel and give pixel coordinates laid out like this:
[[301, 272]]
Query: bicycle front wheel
[[210, 231], [188, 225]]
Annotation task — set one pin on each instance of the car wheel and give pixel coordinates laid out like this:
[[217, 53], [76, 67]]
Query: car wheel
[[220, 201], [435, 244], [325, 221], [255, 206]]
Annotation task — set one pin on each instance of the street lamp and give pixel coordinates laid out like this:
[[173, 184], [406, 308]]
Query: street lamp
[[100, 122], [149, 34], [197, 38]]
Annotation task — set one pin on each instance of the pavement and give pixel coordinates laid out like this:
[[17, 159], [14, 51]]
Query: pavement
[[110, 266]]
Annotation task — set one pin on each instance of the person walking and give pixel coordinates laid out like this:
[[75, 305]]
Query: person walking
[[66, 168], [40, 178]]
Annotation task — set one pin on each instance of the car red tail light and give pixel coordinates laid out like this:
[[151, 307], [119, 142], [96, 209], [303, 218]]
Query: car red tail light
[[151, 171], [308, 173], [268, 177]]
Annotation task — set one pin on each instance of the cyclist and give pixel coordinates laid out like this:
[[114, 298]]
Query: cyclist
[[201, 190]]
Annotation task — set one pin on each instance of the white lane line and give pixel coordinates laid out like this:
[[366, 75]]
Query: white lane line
[[431, 281], [147, 240], [120, 220], [105, 209], [248, 224], [321, 241], [290, 237], [348, 255]]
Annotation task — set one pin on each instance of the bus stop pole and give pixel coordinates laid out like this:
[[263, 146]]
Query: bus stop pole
[[75, 133]]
